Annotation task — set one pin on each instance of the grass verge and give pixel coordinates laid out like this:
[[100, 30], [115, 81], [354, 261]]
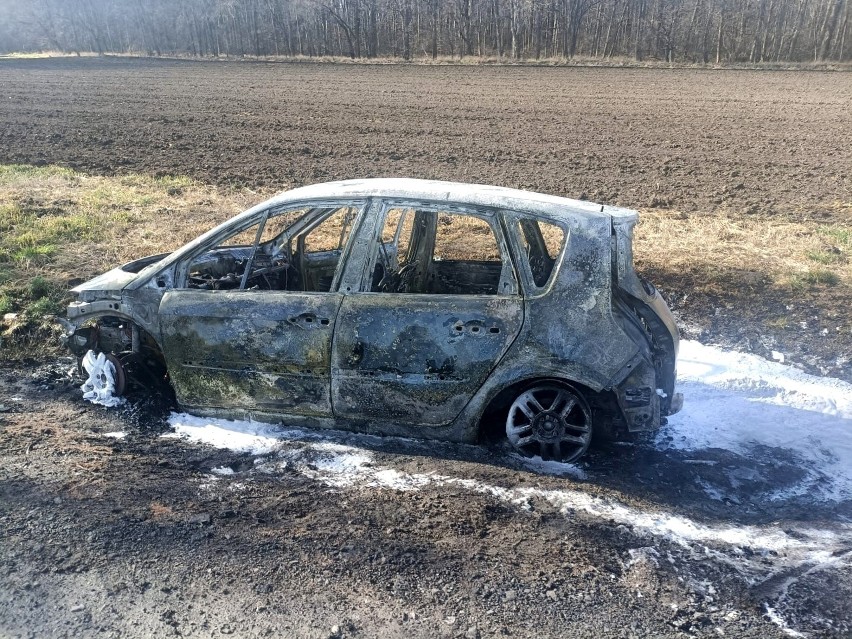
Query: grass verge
[[791, 254], [59, 228]]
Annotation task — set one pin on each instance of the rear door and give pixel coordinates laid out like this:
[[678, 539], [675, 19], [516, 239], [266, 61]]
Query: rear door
[[415, 340]]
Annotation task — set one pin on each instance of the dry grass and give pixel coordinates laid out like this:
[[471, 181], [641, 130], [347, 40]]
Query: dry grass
[[29, 55], [755, 249], [424, 58], [59, 227]]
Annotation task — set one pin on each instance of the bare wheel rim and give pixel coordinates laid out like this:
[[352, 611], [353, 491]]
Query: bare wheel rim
[[120, 380], [550, 421]]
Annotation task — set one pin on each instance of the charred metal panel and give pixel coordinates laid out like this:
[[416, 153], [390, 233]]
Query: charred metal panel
[[252, 350], [639, 400], [571, 324], [418, 358], [651, 307], [105, 286]]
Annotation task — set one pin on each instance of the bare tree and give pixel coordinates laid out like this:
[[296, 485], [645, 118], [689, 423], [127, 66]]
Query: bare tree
[[691, 30]]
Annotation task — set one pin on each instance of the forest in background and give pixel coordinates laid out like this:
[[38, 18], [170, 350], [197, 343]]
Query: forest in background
[[690, 31]]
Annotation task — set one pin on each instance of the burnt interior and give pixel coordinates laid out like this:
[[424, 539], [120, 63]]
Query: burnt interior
[[289, 253], [223, 269], [455, 277], [410, 263]]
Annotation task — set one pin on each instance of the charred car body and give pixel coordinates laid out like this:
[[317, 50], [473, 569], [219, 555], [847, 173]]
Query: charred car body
[[403, 307]]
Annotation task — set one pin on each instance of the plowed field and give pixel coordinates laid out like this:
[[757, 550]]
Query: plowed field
[[691, 140], [734, 521]]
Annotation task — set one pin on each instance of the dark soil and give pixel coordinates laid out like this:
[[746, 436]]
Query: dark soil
[[132, 538], [136, 538]]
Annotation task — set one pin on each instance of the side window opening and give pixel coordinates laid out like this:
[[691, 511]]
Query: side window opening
[[394, 245], [225, 267], [440, 253], [541, 243], [289, 250], [319, 249]]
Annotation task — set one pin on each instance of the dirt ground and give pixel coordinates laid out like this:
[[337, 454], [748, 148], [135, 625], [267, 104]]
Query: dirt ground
[[138, 537], [147, 536]]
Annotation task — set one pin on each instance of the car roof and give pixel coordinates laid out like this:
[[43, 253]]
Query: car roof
[[551, 207], [456, 192]]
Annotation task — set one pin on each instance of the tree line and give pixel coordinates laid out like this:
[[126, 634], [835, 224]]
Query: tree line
[[693, 31]]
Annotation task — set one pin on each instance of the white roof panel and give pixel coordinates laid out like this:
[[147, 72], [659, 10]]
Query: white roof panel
[[439, 191]]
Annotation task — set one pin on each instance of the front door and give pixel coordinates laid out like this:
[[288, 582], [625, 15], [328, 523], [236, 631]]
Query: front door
[[265, 351], [249, 324]]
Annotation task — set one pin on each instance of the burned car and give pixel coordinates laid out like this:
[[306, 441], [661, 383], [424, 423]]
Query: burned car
[[398, 306]]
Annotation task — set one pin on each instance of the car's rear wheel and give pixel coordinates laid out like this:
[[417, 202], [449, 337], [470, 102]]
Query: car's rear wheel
[[551, 421]]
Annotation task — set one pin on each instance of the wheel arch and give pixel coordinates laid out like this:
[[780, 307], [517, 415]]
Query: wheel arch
[[492, 419], [138, 348], [95, 318]]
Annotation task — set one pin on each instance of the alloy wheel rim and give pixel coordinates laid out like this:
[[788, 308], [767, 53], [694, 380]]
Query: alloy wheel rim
[[551, 422]]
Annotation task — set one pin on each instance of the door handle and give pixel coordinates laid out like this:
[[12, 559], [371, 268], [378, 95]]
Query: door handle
[[357, 354]]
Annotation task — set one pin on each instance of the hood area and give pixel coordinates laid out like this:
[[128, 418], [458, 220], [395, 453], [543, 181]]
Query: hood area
[[136, 266], [111, 283]]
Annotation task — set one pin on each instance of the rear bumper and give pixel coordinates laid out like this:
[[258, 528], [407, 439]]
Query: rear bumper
[[665, 346]]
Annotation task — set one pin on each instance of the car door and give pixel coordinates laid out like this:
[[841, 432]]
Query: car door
[[257, 348], [435, 310]]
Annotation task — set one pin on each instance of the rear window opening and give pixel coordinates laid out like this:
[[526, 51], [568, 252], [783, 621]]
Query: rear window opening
[[541, 243]]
